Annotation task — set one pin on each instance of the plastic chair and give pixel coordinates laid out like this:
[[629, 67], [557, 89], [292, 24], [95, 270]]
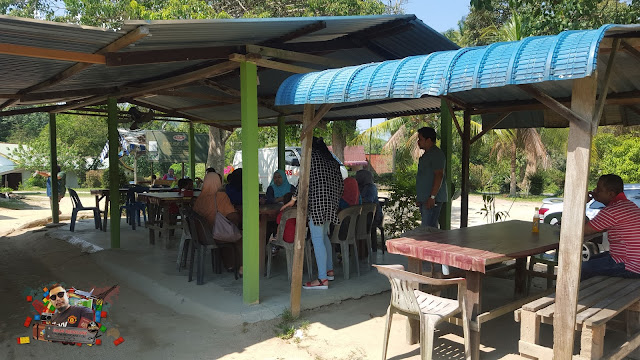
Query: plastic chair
[[202, 240], [431, 310], [288, 247], [364, 227], [345, 235], [551, 261], [77, 206], [185, 240], [380, 225], [133, 208]]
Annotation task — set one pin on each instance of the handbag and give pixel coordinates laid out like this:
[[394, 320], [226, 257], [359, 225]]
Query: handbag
[[223, 228]]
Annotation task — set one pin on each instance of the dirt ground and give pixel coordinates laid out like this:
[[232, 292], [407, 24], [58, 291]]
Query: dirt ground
[[352, 329]]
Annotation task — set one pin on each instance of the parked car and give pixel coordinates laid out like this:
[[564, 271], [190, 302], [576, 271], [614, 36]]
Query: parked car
[[551, 211], [268, 164]]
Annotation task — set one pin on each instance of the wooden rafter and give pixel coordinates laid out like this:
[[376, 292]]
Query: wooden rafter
[[132, 90], [122, 42], [269, 104], [489, 127], [554, 105], [295, 56], [322, 111], [196, 95], [170, 55], [200, 106], [630, 49], [258, 60], [605, 86], [173, 113], [51, 54]]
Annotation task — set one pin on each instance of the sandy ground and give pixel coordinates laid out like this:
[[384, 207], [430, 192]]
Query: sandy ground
[[349, 330]]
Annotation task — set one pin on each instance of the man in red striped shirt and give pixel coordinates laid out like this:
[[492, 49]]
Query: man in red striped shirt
[[621, 219]]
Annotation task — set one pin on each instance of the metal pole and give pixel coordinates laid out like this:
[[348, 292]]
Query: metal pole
[[114, 175], [55, 207]]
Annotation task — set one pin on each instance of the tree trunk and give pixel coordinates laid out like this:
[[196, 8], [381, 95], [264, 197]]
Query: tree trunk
[[512, 185], [338, 143], [215, 157]]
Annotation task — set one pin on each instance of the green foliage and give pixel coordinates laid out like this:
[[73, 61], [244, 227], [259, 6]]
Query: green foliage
[[401, 207], [536, 182], [93, 178], [124, 181], [619, 155], [489, 210], [33, 182], [5, 190], [286, 328]]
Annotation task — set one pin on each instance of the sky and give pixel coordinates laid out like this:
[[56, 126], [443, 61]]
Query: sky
[[439, 15]]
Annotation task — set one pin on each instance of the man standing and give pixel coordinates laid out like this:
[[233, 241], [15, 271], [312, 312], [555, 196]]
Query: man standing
[[621, 219], [62, 185], [430, 192], [67, 315]]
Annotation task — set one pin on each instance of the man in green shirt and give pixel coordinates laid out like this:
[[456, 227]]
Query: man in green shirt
[[430, 192]]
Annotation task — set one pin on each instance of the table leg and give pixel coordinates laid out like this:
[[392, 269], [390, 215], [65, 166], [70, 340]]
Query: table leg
[[262, 234], [152, 223], [106, 212], [413, 326], [521, 278], [474, 284], [166, 223]]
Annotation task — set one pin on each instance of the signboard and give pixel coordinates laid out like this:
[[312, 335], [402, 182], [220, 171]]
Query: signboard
[[63, 334], [174, 146]]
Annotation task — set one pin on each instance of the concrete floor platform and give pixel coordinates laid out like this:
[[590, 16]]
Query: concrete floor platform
[[152, 270]]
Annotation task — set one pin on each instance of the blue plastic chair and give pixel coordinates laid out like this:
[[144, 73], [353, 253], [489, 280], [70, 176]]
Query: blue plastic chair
[[133, 208]]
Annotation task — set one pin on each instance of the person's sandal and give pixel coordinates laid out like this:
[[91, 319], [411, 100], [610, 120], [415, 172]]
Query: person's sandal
[[330, 275], [321, 285]]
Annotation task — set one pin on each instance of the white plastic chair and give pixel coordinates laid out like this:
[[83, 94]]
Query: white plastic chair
[[348, 221], [364, 228], [431, 310]]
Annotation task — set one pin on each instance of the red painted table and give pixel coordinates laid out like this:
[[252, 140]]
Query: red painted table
[[472, 249]]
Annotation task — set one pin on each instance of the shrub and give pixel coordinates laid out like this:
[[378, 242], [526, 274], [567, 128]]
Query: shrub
[[124, 181], [32, 182], [401, 207], [536, 182], [94, 178]]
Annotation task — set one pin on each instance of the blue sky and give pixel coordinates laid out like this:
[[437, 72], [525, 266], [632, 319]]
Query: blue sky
[[436, 14]]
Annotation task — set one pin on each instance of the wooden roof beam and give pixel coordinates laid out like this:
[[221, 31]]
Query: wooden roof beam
[[195, 95], [51, 54], [554, 105], [170, 55], [630, 49], [295, 56], [490, 127], [269, 104], [122, 42], [133, 90], [453, 117], [258, 60], [174, 113]]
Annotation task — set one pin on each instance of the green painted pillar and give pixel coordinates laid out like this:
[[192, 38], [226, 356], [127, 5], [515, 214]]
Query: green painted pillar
[[55, 217], [192, 154], [251, 256], [446, 144], [281, 143], [114, 176]]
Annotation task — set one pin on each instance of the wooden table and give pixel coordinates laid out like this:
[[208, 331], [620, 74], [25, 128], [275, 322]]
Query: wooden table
[[104, 194], [158, 204], [472, 249]]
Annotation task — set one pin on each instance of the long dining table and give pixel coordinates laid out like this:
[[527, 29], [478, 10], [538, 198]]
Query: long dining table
[[160, 220], [473, 250]]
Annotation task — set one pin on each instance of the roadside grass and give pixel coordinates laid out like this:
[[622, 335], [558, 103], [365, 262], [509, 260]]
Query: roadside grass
[[288, 325], [14, 204]]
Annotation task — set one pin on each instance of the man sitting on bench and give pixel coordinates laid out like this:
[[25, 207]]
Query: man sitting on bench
[[621, 218]]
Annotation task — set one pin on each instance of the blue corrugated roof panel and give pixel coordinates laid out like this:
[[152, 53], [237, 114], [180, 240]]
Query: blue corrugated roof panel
[[568, 55]]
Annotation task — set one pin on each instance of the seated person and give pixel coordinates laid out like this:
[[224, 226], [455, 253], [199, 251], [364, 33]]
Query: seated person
[[234, 187], [350, 194], [369, 194], [170, 175], [210, 169], [153, 180], [185, 183], [211, 201], [198, 183], [621, 219], [289, 228], [67, 315], [279, 187]]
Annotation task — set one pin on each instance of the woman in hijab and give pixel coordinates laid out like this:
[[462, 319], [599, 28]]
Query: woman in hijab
[[350, 194], [234, 187], [369, 193], [325, 189], [279, 187], [213, 200]]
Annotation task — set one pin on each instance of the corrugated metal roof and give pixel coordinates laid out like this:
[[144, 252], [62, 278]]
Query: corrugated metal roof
[[478, 75], [352, 40]]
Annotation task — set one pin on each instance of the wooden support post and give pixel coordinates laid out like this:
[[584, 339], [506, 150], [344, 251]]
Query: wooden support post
[[446, 144], [466, 149], [281, 143], [192, 153], [55, 206], [301, 216], [114, 175], [250, 212], [583, 101]]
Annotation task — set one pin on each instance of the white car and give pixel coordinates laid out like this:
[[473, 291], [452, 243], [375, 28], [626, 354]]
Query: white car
[[551, 211]]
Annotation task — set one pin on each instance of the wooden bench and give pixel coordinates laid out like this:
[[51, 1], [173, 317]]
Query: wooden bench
[[600, 299]]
